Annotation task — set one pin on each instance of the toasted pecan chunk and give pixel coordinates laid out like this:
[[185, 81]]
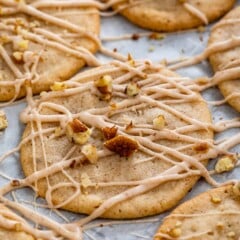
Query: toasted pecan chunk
[[129, 126], [225, 164], [109, 133], [122, 145], [77, 126], [104, 86], [90, 152], [201, 147], [77, 132]]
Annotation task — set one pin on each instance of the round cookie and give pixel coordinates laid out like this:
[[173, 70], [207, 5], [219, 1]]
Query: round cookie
[[227, 59], [7, 230], [211, 215], [157, 133], [171, 15], [49, 36]]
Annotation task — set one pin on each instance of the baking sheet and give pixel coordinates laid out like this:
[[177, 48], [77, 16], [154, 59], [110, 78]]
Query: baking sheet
[[173, 46]]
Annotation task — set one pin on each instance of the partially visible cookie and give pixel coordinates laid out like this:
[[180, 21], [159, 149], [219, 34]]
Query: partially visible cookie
[[214, 215], [228, 59], [10, 226], [43, 44], [126, 138], [174, 15]]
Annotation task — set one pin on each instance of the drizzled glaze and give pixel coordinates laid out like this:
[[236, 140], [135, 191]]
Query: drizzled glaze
[[186, 5], [206, 216], [15, 29], [174, 88], [53, 40]]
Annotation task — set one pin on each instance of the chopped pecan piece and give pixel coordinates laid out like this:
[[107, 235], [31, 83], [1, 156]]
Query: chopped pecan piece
[[77, 126], [109, 133], [18, 57], [201, 147], [15, 183], [135, 36], [159, 122], [58, 86], [78, 132], [122, 145], [90, 152], [129, 126], [156, 36], [225, 164], [104, 86], [132, 89]]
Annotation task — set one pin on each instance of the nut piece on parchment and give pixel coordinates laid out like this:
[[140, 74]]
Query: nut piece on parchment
[[3, 121], [225, 164], [109, 133], [122, 145], [78, 132]]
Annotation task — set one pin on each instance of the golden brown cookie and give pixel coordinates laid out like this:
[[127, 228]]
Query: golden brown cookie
[[226, 29], [43, 44], [174, 15], [10, 226], [211, 215], [128, 141]]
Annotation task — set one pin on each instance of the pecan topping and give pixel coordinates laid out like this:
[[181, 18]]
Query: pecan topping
[[129, 126], [78, 126], [135, 36], [225, 164], [132, 89], [109, 133], [104, 86], [201, 147], [15, 183], [90, 152], [156, 36], [122, 145], [159, 122], [77, 132]]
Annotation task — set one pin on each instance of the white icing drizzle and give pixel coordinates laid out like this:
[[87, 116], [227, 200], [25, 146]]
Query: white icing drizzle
[[196, 12], [33, 115]]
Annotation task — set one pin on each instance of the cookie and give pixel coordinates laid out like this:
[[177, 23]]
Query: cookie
[[119, 145], [227, 28], [44, 44], [211, 215], [10, 225], [173, 15]]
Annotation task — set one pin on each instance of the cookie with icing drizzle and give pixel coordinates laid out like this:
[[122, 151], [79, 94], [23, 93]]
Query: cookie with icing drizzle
[[173, 15], [227, 60], [43, 43], [211, 215], [121, 156], [11, 226]]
